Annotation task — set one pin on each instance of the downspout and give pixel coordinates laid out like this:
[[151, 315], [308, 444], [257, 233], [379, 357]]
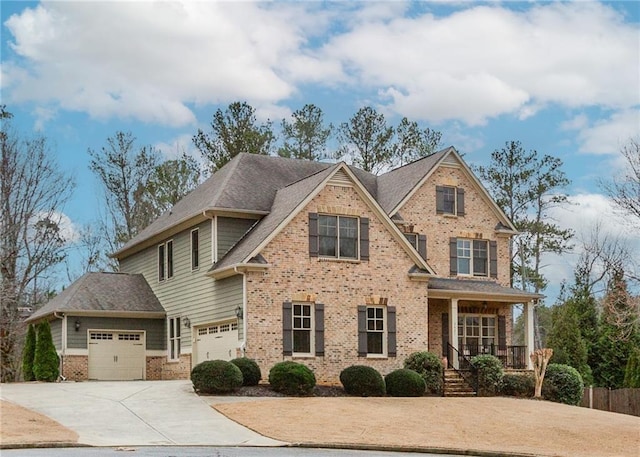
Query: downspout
[[243, 346], [63, 342]]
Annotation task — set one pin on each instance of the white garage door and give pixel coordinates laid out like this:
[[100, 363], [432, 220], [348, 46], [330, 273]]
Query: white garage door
[[217, 342], [116, 356]]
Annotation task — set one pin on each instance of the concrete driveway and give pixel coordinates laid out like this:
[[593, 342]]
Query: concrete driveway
[[133, 413]]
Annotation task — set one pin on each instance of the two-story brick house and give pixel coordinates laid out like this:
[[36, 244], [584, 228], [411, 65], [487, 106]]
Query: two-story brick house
[[281, 259]]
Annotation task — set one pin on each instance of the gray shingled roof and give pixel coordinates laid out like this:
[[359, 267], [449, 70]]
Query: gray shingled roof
[[248, 182], [104, 292], [285, 201], [467, 285], [395, 185]]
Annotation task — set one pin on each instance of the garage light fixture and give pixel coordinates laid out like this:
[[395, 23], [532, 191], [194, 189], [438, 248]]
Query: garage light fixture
[[77, 325], [239, 312], [187, 322]]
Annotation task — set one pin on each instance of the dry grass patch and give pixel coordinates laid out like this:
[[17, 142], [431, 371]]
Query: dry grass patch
[[485, 424], [20, 426]]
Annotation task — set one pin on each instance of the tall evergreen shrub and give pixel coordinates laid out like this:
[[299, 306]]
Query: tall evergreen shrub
[[45, 361], [29, 354]]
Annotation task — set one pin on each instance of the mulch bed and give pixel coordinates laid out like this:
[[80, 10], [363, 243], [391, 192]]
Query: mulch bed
[[264, 390]]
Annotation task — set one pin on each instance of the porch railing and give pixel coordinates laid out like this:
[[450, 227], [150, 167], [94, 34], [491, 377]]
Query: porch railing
[[514, 357], [464, 368]]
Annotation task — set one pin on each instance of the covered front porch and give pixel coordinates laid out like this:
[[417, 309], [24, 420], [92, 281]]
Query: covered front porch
[[469, 317]]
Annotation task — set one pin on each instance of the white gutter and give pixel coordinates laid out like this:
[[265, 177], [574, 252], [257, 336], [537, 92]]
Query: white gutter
[[63, 341], [243, 346]]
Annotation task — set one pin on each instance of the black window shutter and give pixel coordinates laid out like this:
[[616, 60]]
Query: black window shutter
[[502, 333], [439, 200], [422, 246], [493, 259], [364, 238], [460, 201], [319, 317], [445, 334], [313, 234], [391, 331], [453, 256], [287, 328], [362, 331]]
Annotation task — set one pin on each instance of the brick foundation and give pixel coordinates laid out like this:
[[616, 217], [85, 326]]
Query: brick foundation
[[75, 367]]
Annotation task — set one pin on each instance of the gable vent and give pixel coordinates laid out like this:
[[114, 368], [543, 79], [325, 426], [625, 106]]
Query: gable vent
[[341, 178]]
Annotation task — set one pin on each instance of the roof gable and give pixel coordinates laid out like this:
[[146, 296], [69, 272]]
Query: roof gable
[[289, 201]]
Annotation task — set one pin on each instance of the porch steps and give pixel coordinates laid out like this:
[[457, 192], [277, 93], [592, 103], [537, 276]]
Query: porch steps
[[456, 386]]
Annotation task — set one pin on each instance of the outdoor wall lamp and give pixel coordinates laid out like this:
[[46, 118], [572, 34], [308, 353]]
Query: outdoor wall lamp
[[77, 325], [187, 322], [239, 312]]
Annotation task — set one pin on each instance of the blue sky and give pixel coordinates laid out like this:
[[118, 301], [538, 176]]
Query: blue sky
[[561, 77]]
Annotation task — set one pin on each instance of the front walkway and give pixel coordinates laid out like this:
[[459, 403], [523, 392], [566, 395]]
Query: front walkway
[[133, 413]]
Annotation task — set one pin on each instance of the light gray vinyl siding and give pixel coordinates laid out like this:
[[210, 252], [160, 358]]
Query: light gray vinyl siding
[[154, 330], [230, 230], [56, 333], [188, 293]]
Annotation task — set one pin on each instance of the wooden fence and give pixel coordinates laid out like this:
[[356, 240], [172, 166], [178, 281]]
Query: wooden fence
[[624, 401]]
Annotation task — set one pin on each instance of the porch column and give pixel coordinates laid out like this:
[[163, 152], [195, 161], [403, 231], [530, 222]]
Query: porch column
[[453, 329], [528, 333]]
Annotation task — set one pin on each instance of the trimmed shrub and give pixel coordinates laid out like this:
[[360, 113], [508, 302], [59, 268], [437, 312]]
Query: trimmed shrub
[[29, 354], [292, 378], [362, 381], [489, 372], [251, 374], [632, 371], [429, 366], [518, 385], [405, 383], [562, 384], [45, 360], [216, 376]]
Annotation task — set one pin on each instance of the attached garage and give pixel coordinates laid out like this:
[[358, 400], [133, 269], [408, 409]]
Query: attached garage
[[116, 355], [217, 341]]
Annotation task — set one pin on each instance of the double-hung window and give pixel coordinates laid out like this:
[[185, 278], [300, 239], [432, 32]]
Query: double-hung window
[[174, 338], [375, 330], [476, 333], [302, 328], [195, 249], [338, 236], [473, 257], [165, 261]]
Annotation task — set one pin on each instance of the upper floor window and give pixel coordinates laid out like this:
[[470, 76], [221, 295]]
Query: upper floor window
[[303, 329], [419, 242], [473, 257], [450, 200], [195, 250], [340, 237], [165, 260]]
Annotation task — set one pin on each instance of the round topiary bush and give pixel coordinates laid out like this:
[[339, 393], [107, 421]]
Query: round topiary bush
[[251, 374], [429, 366], [562, 384], [518, 385], [292, 378], [405, 383], [362, 381], [216, 376], [489, 371]]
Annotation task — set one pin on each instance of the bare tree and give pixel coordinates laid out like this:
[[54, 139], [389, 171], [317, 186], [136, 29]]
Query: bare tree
[[33, 192], [625, 191]]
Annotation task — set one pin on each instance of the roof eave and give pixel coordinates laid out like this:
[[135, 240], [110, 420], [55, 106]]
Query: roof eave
[[477, 295], [100, 313], [237, 268]]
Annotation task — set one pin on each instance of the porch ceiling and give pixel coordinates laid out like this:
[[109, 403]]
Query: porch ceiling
[[477, 290]]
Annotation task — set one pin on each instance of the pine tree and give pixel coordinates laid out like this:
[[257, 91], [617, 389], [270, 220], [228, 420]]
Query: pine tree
[[29, 354], [632, 371], [45, 363], [565, 338]]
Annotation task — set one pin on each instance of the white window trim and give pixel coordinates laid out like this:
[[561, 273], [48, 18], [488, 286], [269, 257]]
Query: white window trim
[[196, 230], [337, 237], [176, 322], [214, 239], [385, 335], [161, 260], [312, 330], [472, 272], [169, 273], [463, 335]]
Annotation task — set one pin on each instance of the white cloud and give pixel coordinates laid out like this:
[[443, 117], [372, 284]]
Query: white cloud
[[153, 61], [609, 135]]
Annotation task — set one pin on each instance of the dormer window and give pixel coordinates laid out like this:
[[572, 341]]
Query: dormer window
[[450, 200]]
